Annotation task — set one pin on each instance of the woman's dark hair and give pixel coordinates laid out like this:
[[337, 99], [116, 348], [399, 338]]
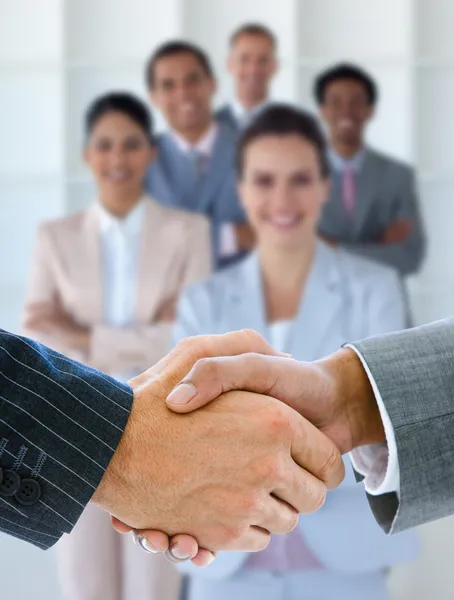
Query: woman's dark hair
[[173, 48], [341, 72], [284, 120], [121, 102]]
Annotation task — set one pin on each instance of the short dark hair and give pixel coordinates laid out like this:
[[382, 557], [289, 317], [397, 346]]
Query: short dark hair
[[345, 71], [172, 49], [121, 102], [253, 29], [283, 120]]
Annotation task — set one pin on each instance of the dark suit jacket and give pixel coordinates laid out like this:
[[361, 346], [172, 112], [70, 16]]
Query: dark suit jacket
[[60, 423], [385, 192]]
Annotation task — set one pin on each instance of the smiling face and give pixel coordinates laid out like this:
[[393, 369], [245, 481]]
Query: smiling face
[[183, 92], [346, 110], [282, 190], [252, 64], [118, 153]]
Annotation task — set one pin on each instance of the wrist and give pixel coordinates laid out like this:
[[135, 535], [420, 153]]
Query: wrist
[[354, 400]]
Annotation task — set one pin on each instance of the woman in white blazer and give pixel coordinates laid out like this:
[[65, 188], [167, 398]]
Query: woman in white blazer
[[103, 289], [307, 299]]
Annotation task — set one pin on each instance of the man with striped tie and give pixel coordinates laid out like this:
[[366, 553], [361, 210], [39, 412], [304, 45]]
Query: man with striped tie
[[373, 208]]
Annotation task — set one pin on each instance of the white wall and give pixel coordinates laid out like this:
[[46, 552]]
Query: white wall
[[56, 55]]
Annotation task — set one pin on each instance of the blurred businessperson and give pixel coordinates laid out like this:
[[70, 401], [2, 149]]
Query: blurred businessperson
[[103, 290], [307, 299], [252, 64], [194, 169], [373, 208]]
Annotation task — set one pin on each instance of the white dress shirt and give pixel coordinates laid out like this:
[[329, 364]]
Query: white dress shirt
[[378, 463], [204, 147], [340, 164], [280, 332], [120, 248]]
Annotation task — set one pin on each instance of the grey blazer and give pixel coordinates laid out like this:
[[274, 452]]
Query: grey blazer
[[386, 191], [414, 372], [60, 423]]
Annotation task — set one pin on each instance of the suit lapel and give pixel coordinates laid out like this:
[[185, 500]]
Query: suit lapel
[[245, 306], [221, 163], [88, 272], [366, 185], [320, 306], [153, 265]]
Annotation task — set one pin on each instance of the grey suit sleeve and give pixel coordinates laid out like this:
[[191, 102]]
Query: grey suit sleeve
[[60, 423], [406, 256], [414, 372]]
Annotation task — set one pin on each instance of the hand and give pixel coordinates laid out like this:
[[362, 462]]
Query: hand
[[167, 311], [398, 232], [52, 319], [177, 474]]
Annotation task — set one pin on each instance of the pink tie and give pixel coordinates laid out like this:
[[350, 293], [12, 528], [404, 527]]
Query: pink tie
[[348, 189]]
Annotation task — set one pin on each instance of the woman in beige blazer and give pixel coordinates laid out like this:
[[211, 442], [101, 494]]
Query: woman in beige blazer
[[103, 288]]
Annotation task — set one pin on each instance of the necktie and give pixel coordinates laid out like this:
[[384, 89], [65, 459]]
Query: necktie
[[200, 162], [348, 189]]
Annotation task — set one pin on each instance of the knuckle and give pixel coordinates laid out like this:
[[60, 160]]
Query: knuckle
[[207, 367], [272, 471], [251, 504], [332, 468], [292, 522], [256, 339], [319, 498]]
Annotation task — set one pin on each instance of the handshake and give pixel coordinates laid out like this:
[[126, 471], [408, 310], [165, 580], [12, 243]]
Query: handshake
[[252, 439]]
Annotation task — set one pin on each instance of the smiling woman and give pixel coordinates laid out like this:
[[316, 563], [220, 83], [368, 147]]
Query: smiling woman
[[103, 289], [307, 299]]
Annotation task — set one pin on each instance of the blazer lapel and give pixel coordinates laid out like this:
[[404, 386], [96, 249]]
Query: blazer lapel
[[88, 273], [245, 306], [153, 265], [320, 306], [366, 184]]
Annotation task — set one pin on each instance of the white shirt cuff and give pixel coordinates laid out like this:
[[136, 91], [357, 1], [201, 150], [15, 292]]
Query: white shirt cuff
[[378, 463], [228, 243]]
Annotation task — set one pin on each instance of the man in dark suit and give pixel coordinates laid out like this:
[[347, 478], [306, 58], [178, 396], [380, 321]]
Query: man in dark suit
[[373, 208], [70, 434], [195, 165], [252, 63]]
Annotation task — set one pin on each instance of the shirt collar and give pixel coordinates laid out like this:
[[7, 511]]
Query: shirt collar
[[338, 163], [242, 113], [205, 144], [129, 225]]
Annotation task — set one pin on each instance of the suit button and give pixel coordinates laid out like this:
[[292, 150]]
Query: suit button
[[29, 492], [10, 483]]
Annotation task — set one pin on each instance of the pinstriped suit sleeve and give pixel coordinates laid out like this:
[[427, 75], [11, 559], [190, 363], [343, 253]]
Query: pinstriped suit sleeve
[[414, 373], [60, 423]]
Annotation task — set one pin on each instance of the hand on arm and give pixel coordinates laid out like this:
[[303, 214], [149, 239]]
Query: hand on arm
[[397, 232], [53, 320]]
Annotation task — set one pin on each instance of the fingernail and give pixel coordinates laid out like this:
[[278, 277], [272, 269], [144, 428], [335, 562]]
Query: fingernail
[[182, 394], [142, 541], [178, 553]]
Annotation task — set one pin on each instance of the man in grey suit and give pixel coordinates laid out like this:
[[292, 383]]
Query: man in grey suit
[[194, 169], [387, 400], [69, 434], [252, 63], [373, 208]]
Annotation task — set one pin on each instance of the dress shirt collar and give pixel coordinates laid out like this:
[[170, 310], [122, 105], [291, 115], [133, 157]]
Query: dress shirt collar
[[129, 225], [243, 114], [338, 163], [204, 146]]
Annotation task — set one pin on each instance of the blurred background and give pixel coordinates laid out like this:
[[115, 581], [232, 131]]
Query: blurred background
[[57, 55]]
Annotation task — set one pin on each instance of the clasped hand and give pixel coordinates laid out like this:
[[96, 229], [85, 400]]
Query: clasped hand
[[237, 469]]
